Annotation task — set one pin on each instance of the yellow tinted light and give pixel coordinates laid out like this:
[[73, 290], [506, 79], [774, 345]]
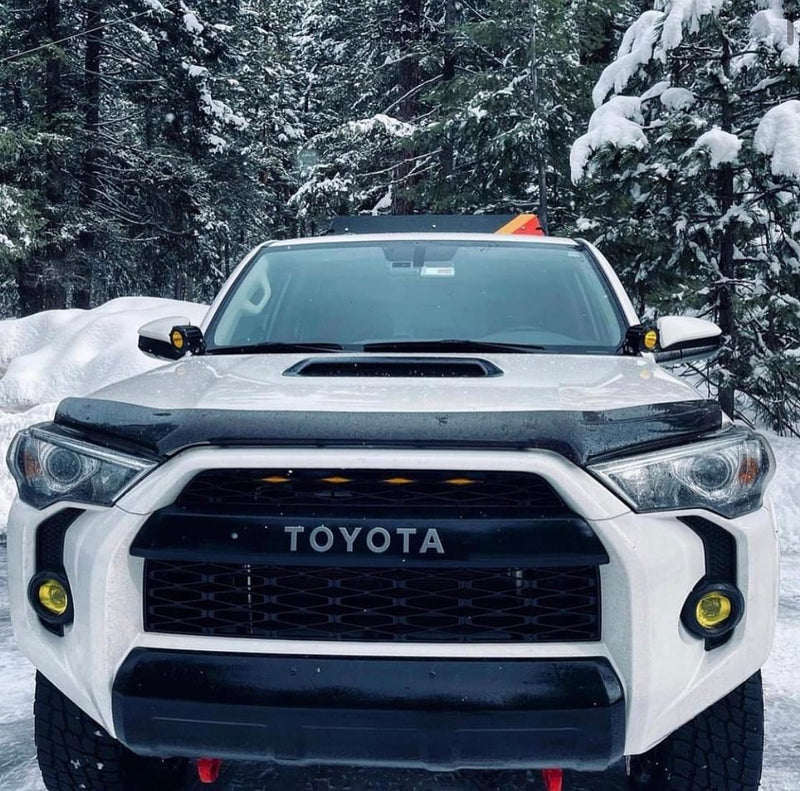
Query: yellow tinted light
[[53, 597], [177, 339], [650, 339], [713, 609]]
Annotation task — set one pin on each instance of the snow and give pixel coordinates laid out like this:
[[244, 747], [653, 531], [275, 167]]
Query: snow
[[635, 50], [677, 99], [192, 23], [382, 122], [60, 353], [778, 136], [656, 91], [722, 146], [616, 123], [773, 29], [683, 15]]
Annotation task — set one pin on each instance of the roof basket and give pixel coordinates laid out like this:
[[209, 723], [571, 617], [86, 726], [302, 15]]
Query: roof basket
[[505, 224]]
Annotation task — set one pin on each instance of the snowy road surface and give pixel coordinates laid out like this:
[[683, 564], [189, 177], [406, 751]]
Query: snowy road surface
[[18, 770]]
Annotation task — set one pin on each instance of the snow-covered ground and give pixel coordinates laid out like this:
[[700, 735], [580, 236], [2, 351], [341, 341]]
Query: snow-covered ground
[[46, 357]]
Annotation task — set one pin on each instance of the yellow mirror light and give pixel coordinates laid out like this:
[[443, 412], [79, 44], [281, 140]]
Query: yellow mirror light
[[650, 340]]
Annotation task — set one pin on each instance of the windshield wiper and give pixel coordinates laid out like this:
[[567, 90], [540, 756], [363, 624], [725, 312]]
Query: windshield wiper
[[276, 347], [451, 345]]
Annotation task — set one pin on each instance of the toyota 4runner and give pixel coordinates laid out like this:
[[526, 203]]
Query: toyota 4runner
[[403, 499]]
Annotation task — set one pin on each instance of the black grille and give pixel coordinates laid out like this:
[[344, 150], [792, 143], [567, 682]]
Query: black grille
[[355, 491], [50, 539], [415, 605]]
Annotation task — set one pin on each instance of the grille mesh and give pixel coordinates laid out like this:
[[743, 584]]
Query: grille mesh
[[349, 491], [415, 605]]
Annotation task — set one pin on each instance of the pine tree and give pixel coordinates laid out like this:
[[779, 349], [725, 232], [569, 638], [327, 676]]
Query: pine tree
[[678, 194]]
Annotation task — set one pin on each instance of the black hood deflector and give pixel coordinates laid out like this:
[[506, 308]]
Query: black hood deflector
[[579, 436]]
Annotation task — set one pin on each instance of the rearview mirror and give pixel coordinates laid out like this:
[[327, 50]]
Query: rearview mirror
[[684, 338], [170, 338]]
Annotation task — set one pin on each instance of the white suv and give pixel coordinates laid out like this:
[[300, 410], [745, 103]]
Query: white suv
[[405, 499]]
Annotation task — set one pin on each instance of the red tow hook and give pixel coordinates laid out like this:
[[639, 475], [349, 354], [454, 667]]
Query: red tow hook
[[208, 769], [553, 779]]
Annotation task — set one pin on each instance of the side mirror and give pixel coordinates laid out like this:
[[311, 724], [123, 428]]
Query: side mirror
[[684, 338], [170, 338]]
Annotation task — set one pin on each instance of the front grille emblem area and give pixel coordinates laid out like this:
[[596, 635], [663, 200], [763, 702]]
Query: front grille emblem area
[[402, 555]]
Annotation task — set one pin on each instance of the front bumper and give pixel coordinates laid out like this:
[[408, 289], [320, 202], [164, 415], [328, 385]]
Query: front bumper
[[391, 712], [654, 562]]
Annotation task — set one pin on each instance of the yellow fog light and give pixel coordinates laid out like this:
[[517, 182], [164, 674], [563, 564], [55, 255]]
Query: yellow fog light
[[650, 340], [53, 597], [49, 594], [713, 609], [177, 339]]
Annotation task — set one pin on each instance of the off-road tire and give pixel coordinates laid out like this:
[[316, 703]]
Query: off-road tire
[[721, 749], [77, 754]]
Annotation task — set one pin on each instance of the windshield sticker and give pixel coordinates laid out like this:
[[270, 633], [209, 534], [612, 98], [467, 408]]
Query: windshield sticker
[[438, 271]]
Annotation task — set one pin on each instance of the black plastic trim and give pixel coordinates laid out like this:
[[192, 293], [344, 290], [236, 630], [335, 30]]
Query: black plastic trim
[[161, 349], [719, 548], [579, 436], [431, 713], [552, 542], [50, 536]]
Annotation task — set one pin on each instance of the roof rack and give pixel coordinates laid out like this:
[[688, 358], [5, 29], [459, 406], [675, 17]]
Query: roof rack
[[517, 224]]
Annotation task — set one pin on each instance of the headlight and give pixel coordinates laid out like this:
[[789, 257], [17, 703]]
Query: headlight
[[49, 467], [726, 475]]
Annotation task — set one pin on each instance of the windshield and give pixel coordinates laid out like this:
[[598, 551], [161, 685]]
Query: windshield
[[545, 296]]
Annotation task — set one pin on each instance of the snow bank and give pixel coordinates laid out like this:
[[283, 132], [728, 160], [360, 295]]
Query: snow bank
[[59, 353], [778, 136], [721, 146], [616, 123], [785, 490]]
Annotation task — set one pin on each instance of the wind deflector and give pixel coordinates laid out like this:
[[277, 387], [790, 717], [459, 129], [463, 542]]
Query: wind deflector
[[401, 367], [578, 436]]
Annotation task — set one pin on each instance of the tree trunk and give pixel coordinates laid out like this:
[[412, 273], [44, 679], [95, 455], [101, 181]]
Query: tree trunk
[[89, 161], [726, 288], [408, 109], [39, 282]]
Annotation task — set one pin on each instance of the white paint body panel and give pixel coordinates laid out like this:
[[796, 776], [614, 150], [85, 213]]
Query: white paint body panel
[[530, 382]]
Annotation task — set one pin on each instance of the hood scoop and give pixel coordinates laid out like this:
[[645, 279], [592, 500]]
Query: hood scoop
[[400, 367]]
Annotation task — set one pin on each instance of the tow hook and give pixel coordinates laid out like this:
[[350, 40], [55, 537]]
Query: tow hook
[[208, 769], [553, 779]]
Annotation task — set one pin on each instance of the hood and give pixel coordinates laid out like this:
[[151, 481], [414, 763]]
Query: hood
[[528, 382], [583, 407]]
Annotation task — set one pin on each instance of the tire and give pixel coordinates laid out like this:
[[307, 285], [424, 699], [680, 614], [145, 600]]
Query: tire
[[77, 754], [721, 749]]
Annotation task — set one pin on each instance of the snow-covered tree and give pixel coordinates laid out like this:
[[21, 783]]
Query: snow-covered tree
[[690, 168]]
